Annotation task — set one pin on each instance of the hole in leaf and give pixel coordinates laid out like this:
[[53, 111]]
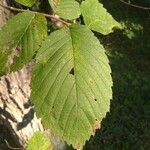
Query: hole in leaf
[[34, 55], [72, 71], [95, 99], [40, 45]]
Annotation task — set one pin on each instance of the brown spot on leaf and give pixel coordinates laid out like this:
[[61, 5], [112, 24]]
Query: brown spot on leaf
[[18, 49], [78, 147], [96, 126]]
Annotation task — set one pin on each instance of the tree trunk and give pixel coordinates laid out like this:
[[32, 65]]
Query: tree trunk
[[16, 111]]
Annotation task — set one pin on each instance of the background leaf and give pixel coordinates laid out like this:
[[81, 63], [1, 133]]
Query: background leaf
[[35, 32], [97, 18], [24, 31], [10, 38], [71, 84], [39, 141], [66, 9], [28, 3]]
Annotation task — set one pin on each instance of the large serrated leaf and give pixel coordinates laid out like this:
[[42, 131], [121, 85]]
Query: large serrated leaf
[[25, 30], [67, 9], [97, 18], [28, 3], [39, 141], [71, 84]]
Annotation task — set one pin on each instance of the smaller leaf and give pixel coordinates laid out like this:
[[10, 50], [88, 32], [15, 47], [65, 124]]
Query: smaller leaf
[[31, 41], [24, 31], [39, 141], [11, 34], [28, 3], [66, 9], [97, 18]]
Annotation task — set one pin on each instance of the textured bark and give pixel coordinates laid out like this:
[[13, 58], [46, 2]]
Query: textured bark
[[16, 111], [4, 14]]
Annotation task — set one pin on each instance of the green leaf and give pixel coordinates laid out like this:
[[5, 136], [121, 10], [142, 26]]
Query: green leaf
[[31, 41], [71, 84], [39, 141], [66, 9], [10, 34], [24, 31], [97, 18], [28, 3]]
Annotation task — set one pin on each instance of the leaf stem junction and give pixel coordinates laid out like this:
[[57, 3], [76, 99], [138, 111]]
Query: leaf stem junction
[[53, 17]]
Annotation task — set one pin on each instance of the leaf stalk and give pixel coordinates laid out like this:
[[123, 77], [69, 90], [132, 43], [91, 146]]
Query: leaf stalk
[[44, 14]]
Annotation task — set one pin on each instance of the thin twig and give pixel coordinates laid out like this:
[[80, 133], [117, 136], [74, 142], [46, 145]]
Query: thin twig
[[13, 148], [136, 6], [26, 10]]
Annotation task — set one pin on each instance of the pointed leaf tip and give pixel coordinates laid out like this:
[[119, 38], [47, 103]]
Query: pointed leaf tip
[[97, 18]]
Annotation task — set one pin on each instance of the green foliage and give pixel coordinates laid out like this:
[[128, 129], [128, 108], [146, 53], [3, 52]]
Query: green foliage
[[10, 38], [24, 31], [67, 9], [31, 41], [71, 82], [127, 125], [28, 3], [97, 18], [70, 91], [39, 141], [132, 29]]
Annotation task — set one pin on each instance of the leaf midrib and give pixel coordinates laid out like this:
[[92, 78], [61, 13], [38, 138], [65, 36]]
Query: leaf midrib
[[75, 76]]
